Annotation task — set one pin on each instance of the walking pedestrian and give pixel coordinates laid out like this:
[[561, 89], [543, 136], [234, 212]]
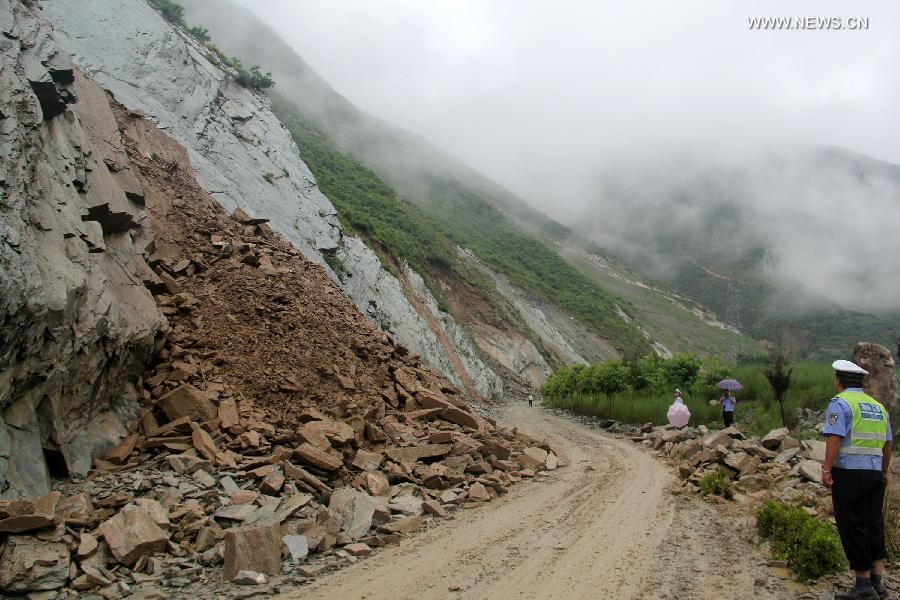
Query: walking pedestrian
[[727, 401], [857, 455], [530, 399]]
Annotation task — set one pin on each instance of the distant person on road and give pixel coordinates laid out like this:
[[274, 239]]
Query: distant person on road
[[727, 401], [857, 455], [530, 399]]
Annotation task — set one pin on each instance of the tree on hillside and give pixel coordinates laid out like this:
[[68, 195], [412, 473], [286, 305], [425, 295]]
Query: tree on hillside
[[682, 370], [610, 378], [778, 372], [713, 372]]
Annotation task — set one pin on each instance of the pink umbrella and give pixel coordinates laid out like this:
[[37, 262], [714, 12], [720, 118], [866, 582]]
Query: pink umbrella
[[678, 415]]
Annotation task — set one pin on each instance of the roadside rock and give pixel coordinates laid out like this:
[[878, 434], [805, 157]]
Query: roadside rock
[[252, 549], [811, 470], [882, 382], [772, 440], [354, 509]]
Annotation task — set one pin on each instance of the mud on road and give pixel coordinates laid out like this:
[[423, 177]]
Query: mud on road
[[605, 526]]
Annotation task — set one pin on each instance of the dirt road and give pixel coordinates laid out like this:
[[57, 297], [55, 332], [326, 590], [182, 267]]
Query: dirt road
[[606, 526]]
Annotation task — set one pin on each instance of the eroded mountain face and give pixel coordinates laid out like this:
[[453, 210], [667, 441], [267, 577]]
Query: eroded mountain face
[[78, 322], [245, 158]]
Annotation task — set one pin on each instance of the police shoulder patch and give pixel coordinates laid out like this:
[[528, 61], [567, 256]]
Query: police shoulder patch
[[832, 418]]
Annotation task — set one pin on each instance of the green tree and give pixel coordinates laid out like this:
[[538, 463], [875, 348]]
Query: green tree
[[682, 370], [610, 377], [712, 372]]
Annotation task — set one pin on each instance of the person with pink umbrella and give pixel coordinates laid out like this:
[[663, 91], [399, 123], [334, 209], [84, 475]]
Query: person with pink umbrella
[[727, 400]]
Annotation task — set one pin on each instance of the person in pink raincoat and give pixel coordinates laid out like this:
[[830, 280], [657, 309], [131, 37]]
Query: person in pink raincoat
[[678, 413]]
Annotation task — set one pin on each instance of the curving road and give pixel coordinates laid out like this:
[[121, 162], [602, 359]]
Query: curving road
[[606, 526]]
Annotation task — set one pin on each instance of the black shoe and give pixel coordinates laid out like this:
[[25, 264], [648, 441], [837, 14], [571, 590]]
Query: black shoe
[[855, 594], [881, 591]]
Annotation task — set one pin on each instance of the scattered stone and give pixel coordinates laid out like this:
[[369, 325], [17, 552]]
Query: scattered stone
[[406, 504], [810, 470], [478, 492], [358, 549], [318, 458], [17, 516], [404, 525], [246, 577]]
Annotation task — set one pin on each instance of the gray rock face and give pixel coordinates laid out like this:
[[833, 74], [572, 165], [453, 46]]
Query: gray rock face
[[881, 383], [240, 152], [77, 320]]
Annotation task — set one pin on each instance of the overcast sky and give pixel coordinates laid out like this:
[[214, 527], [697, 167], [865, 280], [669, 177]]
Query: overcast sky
[[524, 90]]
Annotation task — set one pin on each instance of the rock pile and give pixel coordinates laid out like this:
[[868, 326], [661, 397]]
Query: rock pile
[[775, 465], [276, 423]]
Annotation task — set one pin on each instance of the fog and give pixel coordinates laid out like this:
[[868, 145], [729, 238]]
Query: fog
[[602, 114]]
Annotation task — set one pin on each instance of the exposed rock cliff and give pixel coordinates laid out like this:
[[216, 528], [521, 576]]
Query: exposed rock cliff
[[240, 151], [78, 324]]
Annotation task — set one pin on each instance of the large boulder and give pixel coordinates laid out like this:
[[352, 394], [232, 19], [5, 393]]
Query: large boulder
[[253, 549], [881, 383]]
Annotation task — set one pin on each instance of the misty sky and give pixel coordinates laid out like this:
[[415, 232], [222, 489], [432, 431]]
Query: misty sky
[[538, 93]]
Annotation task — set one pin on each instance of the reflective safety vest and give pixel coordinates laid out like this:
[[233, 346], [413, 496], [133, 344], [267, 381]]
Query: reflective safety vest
[[868, 432]]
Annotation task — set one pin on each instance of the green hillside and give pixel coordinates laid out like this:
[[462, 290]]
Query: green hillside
[[451, 215]]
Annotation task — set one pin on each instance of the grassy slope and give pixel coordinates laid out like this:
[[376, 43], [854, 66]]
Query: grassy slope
[[674, 326], [452, 215]]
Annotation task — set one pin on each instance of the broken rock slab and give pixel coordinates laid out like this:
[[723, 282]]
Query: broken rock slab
[[17, 516], [297, 547], [772, 440], [28, 564], [255, 548], [133, 533], [188, 401], [533, 458], [355, 510]]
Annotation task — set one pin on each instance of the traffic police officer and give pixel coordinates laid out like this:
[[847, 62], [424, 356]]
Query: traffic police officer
[[857, 454]]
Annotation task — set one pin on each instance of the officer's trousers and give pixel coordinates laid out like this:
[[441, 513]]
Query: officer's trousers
[[858, 499]]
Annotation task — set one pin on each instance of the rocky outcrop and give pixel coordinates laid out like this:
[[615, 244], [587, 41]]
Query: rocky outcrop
[[78, 323], [239, 150], [882, 382]]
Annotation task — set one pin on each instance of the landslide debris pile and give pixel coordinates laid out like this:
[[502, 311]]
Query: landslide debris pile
[[775, 465], [280, 432]]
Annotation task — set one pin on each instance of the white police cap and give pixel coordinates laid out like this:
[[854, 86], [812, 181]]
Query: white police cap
[[845, 366]]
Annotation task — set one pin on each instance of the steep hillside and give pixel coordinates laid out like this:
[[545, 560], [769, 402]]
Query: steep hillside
[[77, 324], [509, 240], [246, 159]]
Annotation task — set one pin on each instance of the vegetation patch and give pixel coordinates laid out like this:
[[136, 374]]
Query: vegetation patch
[[426, 233], [812, 548], [641, 391], [716, 484], [249, 78]]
